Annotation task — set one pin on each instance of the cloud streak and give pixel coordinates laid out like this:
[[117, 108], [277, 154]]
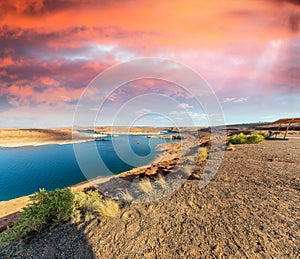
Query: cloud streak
[[235, 100]]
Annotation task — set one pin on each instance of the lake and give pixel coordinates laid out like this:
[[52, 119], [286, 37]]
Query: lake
[[24, 170]]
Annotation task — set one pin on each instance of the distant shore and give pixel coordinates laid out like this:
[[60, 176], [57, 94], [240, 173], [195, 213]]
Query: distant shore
[[11, 137], [36, 144]]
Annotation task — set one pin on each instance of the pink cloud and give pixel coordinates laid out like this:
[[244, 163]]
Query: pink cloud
[[242, 48]]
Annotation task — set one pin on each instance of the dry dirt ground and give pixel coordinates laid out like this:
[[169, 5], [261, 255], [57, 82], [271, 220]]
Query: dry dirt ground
[[251, 209]]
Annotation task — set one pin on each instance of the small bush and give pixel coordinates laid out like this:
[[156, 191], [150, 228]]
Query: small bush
[[255, 138], [161, 181], [126, 196], [46, 210], [108, 208], [245, 139], [51, 208], [145, 185], [203, 154]]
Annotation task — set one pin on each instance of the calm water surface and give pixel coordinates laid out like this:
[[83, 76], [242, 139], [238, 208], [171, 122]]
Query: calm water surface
[[25, 170]]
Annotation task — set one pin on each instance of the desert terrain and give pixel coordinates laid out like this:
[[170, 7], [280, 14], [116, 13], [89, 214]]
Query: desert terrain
[[250, 209]]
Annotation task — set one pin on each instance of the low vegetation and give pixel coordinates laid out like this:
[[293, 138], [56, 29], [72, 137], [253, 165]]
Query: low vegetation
[[145, 185], [230, 147], [126, 196], [108, 208], [47, 209], [203, 154], [85, 204], [161, 181], [246, 139]]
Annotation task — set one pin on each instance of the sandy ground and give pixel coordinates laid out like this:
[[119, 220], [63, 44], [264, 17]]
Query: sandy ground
[[250, 210]]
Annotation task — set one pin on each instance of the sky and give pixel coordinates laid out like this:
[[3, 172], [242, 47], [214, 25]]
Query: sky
[[247, 51]]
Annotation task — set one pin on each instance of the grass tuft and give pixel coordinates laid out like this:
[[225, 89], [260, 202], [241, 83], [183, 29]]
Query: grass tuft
[[126, 196], [108, 208], [145, 185], [161, 181], [86, 203]]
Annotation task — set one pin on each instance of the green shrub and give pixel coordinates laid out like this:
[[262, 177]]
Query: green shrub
[[45, 211], [48, 209], [255, 138], [245, 139]]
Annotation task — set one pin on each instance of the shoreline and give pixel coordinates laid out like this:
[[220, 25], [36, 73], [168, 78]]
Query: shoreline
[[18, 137], [38, 144], [61, 141], [13, 206]]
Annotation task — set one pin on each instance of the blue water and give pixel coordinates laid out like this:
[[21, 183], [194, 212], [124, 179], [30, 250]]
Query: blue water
[[25, 170]]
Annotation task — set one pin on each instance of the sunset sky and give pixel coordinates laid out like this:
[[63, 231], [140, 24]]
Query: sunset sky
[[248, 51]]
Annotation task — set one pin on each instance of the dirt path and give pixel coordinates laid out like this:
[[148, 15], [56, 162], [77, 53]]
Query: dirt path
[[250, 210]]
